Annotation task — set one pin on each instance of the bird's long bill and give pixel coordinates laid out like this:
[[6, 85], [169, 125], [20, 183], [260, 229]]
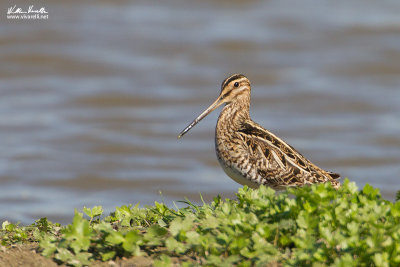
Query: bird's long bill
[[213, 106]]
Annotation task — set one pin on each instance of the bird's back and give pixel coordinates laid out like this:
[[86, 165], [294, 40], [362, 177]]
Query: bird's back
[[261, 157]]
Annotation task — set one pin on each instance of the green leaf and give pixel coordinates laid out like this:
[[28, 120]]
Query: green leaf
[[193, 237], [178, 225], [163, 261], [115, 238], [301, 220], [156, 231], [161, 223], [381, 259], [350, 186], [94, 212], [154, 235], [9, 227], [43, 225], [174, 246], [132, 241], [83, 258], [106, 256], [49, 245], [79, 233], [346, 260], [64, 255]]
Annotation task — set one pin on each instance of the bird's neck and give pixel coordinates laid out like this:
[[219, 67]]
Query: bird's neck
[[234, 114]]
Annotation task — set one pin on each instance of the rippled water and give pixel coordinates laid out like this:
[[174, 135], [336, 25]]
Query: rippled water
[[92, 99]]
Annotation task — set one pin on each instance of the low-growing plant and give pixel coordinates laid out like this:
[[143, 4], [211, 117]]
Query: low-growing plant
[[315, 225], [11, 234]]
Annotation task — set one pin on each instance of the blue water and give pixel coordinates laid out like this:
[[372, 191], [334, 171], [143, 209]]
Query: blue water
[[93, 98]]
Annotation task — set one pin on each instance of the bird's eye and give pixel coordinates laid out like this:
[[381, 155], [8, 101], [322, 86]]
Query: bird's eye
[[236, 84]]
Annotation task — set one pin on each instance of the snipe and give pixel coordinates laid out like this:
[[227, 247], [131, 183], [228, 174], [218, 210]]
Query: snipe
[[252, 155]]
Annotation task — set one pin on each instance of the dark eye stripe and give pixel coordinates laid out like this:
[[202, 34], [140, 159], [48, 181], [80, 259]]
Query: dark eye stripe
[[232, 78]]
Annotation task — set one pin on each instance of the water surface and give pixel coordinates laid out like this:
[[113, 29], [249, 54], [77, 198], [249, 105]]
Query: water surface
[[93, 98]]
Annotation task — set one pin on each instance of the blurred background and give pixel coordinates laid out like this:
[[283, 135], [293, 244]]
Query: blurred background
[[92, 99]]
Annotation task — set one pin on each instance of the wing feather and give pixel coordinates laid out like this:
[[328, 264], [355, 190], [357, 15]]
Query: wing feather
[[277, 162]]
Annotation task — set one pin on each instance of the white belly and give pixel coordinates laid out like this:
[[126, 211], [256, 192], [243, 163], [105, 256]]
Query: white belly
[[237, 176]]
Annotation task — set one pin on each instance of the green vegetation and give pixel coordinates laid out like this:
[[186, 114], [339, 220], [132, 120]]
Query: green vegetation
[[11, 234], [314, 225]]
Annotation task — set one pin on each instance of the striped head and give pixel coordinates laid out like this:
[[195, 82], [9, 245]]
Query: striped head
[[232, 88]]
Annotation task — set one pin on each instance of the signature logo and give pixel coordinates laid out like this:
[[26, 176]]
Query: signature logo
[[31, 12]]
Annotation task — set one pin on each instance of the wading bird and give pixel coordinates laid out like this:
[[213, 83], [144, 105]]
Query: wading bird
[[252, 155]]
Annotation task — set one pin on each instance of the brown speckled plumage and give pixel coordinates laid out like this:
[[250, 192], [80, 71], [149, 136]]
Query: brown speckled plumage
[[252, 155]]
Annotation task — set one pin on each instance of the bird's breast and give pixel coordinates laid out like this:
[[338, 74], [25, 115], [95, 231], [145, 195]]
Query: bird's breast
[[230, 157]]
